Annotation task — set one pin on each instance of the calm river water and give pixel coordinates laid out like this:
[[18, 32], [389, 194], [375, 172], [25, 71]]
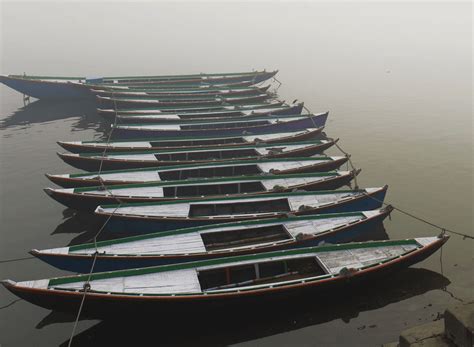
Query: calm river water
[[396, 79]]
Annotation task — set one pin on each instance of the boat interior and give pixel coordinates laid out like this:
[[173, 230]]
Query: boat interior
[[218, 154], [195, 142], [224, 125], [239, 208], [227, 239], [259, 273], [213, 189], [224, 171], [212, 115]]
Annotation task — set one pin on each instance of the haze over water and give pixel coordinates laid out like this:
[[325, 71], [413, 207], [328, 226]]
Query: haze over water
[[396, 78]]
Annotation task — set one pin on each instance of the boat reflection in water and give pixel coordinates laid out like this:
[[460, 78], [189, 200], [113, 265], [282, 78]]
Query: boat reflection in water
[[230, 328], [42, 111]]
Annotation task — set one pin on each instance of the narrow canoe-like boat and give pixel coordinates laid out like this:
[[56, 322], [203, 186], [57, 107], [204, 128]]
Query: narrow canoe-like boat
[[112, 112], [254, 77], [181, 93], [205, 116], [229, 168], [271, 124], [131, 160], [160, 143], [143, 218], [192, 101], [87, 199], [215, 241], [169, 87], [235, 283], [47, 87], [51, 88]]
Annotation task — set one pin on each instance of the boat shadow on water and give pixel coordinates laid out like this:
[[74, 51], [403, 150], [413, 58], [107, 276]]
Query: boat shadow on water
[[84, 224], [42, 111], [236, 327]]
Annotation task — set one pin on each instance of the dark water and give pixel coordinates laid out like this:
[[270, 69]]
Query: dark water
[[397, 79]]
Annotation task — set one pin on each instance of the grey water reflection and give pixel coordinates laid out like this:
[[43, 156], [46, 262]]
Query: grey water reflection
[[43, 111]]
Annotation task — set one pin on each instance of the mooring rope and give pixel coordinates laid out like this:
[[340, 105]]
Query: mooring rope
[[349, 161], [409, 214], [11, 303], [15, 260], [87, 286], [443, 229], [279, 84]]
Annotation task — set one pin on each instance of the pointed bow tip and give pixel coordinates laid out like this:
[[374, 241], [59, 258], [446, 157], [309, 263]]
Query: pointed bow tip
[[48, 191], [8, 283]]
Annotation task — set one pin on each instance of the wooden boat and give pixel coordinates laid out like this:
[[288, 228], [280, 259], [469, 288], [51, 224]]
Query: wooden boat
[[169, 87], [51, 88], [228, 168], [182, 156], [47, 87], [161, 143], [194, 79], [295, 109], [111, 113], [214, 241], [87, 199], [144, 217], [271, 124], [117, 102], [243, 282], [181, 93]]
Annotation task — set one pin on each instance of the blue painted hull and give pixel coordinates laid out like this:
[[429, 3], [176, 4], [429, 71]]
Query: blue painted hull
[[47, 90], [111, 263], [296, 125], [134, 226], [43, 89]]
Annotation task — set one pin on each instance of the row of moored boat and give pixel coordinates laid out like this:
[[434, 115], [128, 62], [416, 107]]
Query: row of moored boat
[[213, 192]]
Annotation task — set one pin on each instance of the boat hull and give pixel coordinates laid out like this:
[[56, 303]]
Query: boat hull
[[177, 94], [253, 78], [75, 182], [47, 90], [89, 202], [95, 163], [195, 143], [119, 104], [295, 125], [83, 263], [137, 119], [143, 225], [101, 305]]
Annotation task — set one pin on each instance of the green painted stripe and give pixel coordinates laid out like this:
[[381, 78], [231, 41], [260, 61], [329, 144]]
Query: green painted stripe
[[179, 138], [183, 99], [231, 198], [223, 74], [256, 105], [201, 149], [223, 261], [203, 165], [174, 91], [185, 122], [210, 180]]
